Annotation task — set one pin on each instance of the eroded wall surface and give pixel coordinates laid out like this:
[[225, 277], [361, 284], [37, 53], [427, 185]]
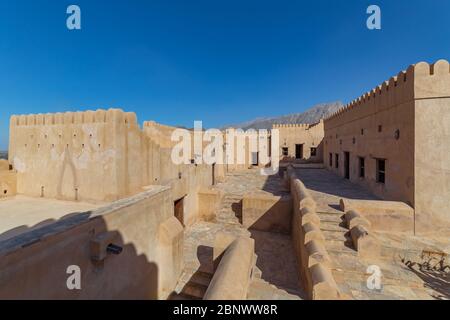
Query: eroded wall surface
[[98, 156]]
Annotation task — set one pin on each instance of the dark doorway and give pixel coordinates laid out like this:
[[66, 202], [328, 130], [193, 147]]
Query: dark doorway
[[270, 146], [213, 174], [381, 170], [299, 151], [179, 210], [255, 158], [347, 165]]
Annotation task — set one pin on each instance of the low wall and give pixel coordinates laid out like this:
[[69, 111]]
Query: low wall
[[34, 264], [391, 216], [313, 260], [266, 212], [233, 274], [208, 202], [360, 231], [309, 165], [8, 180], [8, 184], [186, 181]]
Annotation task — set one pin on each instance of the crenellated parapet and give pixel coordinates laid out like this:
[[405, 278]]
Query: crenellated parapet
[[81, 117], [304, 126], [419, 81]]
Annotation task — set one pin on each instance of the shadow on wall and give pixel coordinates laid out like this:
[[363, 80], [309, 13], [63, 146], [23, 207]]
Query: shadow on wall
[[34, 264], [268, 218], [275, 185], [277, 262], [196, 286], [236, 207]]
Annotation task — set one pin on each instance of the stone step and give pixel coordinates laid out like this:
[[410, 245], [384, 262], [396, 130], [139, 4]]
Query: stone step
[[334, 235], [338, 247], [195, 290], [289, 293], [332, 226], [230, 223], [182, 296], [225, 216], [201, 278], [232, 197], [206, 269], [263, 290], [257, 273], [330, 214]]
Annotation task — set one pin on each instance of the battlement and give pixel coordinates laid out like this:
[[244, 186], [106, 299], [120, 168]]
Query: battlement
[[152, 123], [419, 81], [304, 126], [80, 117]]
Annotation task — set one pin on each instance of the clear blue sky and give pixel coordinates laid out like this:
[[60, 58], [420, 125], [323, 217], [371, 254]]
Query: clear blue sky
[[217, 61]]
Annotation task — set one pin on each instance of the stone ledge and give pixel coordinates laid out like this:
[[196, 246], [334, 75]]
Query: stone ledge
[[392, 216]]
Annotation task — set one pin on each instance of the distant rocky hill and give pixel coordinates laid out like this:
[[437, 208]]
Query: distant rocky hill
[[312, 115], [4, 155]]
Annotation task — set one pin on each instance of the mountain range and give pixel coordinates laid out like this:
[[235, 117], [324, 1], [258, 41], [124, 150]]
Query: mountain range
[[311, 115]]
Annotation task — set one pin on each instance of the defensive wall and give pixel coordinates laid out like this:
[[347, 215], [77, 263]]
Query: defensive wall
[[98, 156], [34, 265], [394, 140]]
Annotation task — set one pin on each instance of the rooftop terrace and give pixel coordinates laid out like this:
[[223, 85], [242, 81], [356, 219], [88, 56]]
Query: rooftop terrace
[[21, 214]]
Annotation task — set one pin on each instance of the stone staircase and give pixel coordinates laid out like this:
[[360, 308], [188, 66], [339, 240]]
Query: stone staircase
[[261, 289], [230, 211], [195, 288], [336, 235], [349, 270], [198, 271]]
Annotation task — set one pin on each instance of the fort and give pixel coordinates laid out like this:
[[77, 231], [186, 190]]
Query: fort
[[367, 186]]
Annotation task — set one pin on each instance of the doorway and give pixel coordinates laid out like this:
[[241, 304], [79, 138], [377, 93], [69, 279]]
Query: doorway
[[179, 210], [255, 158], [299, 151], [347, 165]]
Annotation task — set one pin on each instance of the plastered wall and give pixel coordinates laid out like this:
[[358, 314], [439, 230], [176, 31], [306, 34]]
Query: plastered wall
[[98, 156], [309, 135], [34, 265], [403, 121], [432, 146], [8, 180]]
